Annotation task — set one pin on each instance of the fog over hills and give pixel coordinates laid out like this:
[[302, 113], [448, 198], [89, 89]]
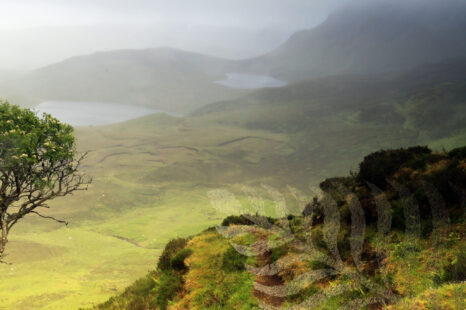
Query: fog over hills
[[374, 37], [58, 43], [166, 78], [365, 39], [40, 33]]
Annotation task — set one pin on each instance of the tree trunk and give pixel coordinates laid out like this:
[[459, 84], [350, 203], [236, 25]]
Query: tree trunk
[[3, 239]]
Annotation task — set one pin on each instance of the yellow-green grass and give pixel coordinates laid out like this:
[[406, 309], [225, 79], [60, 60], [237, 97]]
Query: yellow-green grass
[[57, 267], [207, 285], [152, 177], [149, 186], [449, 296]]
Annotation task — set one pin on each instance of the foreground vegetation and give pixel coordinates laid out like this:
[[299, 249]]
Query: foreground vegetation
[[406, 265]]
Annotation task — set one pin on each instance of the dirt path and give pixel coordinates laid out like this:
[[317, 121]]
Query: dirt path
[[242, 139], [267, 282]]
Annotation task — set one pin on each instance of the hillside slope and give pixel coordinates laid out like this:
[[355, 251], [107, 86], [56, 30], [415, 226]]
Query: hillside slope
[[164, 78], [322, 259], [347, 91], [370, 37], [339, 119]]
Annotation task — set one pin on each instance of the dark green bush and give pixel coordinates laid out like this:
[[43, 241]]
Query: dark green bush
[[237, 220], [379, 166], [171, 249], [249, 220], [459, 153], [330, 184], [232, 261], [177, 262]]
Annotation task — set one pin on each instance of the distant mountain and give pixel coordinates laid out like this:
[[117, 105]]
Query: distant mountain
[[58, 43], [163, 78], [375, 37], [363, 39]]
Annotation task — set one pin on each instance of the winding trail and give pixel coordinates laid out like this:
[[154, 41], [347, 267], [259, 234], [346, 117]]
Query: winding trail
[[180, 147], [242, 139], [266, 281], [130, 241], [112, 155]]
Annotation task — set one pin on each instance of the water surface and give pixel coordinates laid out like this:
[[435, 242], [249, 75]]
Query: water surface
[[92, 113]]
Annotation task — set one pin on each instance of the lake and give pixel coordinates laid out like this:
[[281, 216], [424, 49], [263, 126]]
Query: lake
[[250, 81], [92, 113]]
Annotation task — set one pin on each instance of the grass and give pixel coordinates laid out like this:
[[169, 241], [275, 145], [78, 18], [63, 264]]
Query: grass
[[154, 177], [207, 285], [449, 296], [135, 205], [81, 267]]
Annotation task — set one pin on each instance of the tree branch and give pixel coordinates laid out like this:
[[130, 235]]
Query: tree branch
[[50, 217]]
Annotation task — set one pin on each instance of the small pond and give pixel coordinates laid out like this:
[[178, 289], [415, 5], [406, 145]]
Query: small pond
[[78, 113]]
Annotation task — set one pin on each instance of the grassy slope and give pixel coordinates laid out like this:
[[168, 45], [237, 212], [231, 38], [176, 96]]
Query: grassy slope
[[333, 122], [423, 272], [147, 188], [153, 175]]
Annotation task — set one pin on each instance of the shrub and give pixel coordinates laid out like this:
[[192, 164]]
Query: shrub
[[379, 166], [232, 261], [237, 220], [328, 185], [246, 220], [177, 262], [171, 249], [459, 153]]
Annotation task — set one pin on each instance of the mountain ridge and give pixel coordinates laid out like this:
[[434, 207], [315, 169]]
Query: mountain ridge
[[376, 38], [364, 40]]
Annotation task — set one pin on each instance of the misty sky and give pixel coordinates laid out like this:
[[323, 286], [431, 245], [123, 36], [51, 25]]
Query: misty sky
[[40, 32], [31, 13]]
